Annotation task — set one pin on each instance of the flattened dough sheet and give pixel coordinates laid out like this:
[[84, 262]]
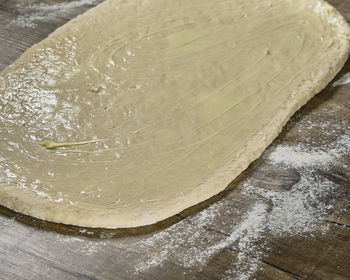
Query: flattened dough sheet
[[137, 110]]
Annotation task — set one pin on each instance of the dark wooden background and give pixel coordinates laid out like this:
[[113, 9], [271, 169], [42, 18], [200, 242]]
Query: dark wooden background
[[34, 249]]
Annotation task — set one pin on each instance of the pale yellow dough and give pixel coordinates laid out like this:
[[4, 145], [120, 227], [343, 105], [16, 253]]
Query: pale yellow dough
[[137, 110]]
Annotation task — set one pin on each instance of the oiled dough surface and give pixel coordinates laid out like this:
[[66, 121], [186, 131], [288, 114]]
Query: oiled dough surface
[[139, 109]]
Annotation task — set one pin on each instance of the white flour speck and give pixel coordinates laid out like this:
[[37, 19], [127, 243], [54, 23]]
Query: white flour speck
[[298, 157], [6, 222], [83, 246], [92, 248]]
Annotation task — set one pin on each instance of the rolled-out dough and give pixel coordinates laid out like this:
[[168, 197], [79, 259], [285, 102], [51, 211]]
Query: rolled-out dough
[[138, 109]]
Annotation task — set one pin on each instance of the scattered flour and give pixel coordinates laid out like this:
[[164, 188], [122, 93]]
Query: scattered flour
[[298, 157], [243, 239], [90, 249], [82, 246], [6, 222], [66, 239], [46, 12]]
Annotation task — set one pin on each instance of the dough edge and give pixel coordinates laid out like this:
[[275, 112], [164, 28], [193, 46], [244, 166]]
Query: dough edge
[[317, 80]]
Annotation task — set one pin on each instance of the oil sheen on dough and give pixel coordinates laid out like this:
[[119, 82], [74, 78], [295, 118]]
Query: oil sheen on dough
[[137, 109]]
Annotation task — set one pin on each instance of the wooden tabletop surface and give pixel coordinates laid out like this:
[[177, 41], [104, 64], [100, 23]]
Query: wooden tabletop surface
[[286, 217]]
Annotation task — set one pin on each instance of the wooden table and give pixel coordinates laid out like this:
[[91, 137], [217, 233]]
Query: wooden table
[[286, 217]]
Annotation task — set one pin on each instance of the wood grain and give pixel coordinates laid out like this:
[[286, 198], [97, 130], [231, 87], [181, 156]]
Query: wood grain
[[34, 249]]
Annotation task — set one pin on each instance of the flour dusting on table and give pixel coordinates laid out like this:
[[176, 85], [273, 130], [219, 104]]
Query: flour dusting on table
[[83, 246], [32, 14]]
